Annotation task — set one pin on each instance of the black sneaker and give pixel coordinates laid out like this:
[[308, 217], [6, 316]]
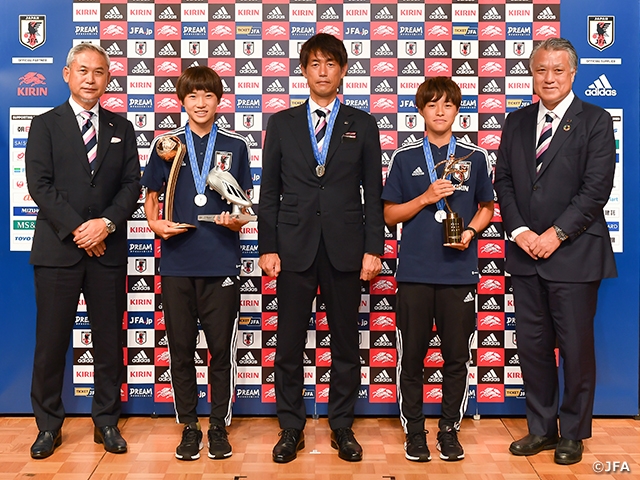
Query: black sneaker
[[449, 446], [415, 448], [219, 446], [191, 444]]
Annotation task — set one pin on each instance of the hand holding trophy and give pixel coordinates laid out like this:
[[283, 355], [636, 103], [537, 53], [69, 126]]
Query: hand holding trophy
[[452, 222]]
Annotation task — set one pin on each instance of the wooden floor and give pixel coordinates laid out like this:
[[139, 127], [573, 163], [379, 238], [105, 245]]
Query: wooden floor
[[152, 444]]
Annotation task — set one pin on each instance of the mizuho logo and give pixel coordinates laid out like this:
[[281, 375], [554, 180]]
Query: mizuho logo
[[601, 88]]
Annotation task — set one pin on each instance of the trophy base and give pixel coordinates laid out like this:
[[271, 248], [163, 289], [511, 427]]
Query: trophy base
[[240, 216], [452, 228]]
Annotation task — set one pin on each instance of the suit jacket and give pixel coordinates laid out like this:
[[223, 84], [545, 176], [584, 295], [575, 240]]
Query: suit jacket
[[570, 191], [68, 194], [297, 207]]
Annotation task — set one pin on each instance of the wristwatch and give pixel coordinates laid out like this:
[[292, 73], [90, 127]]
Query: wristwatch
[[111, 227], [560, 234]]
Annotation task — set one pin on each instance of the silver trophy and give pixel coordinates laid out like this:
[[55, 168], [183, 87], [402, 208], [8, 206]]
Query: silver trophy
[[227, 186]]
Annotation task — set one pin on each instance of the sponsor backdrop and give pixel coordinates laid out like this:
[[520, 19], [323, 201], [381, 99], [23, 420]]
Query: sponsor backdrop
[[484, 45]]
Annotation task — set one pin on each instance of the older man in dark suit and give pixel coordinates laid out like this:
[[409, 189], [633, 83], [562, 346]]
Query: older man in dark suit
[[83, 172], [320, 161], [553, 177]]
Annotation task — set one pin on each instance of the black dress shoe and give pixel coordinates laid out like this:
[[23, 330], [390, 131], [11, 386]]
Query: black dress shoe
[[343, 440], [46, 443], [111, 437], [533, 444], [568, 451], [291, 441]]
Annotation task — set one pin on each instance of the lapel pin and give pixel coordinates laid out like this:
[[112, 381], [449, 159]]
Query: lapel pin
[[566, 128]]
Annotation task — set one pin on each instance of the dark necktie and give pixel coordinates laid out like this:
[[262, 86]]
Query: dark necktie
[[89, 137], [543, 141]]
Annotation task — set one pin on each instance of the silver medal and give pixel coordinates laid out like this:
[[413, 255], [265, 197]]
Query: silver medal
[[440, 215], [320, 170], [200, 200]]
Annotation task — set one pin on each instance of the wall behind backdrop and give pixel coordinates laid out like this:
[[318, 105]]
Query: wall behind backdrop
[[484, 45]]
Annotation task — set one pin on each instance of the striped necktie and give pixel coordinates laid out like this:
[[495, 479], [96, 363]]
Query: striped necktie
[[544, 140], [321, 127], [89, 137]]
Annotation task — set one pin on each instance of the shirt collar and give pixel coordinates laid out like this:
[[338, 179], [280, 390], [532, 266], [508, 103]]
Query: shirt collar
[[560, 109], [77, 108], [314, 106]]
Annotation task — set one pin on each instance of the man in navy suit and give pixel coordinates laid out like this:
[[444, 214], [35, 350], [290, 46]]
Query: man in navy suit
[[83, 172], [320, 223], [554, 175]]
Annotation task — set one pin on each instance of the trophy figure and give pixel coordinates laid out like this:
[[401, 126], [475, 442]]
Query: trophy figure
[[452, 222], [227, 186], [171, 149]]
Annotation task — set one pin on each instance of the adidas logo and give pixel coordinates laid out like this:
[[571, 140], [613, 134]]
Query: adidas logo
[[142, 141], [515, 360], [165, 377], [383, 305], [114, 50], [492, 14], [251, 141], [195, 63], [271, 378], [86, 357], [435, 341], [356, 68], [272, 305], [272, 342], [519, 69], [221, 14], [383, 377], [491, 124], [167, 124], [386, 270], [141, 357], [197, 359], [491, 232], [383, 341], [163, 342], [490, 376], [384, 14], [276, 51], [167, 87], [491, 268], [546, 14], [438, 14], [469, 298], [276, 87], [386, 159], [248, 359], [140, 68], [305, 359], [417, 172], [465, 69], [384, 87], [139, 213], [492, 51], [326, 341], [385, 124], [410, 139], [114, 86], [222, 122], [491, 341], [276, 14], [248, 68], [221, 51], [491, 304], [297, 70], [227, 282], [435, 377], [113, 14], [492, 87], [168, 51], [601, 88], [326, 378], [248, 287], [438, 51], [329, 14], [140, 286], [384, 51], [411, 69], [167, 14]]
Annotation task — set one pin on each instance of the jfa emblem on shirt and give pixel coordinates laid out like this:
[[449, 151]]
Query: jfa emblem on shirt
[[223, 161], [462, 171]]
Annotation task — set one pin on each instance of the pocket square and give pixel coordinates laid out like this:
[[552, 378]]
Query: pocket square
[[115, 140], [349, 136]]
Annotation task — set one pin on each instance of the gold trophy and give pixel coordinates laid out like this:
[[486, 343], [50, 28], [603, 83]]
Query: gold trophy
[[452, 222], [171, 149]]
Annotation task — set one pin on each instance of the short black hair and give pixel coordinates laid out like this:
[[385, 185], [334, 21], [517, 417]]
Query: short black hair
[[198, 78], [328, 45]]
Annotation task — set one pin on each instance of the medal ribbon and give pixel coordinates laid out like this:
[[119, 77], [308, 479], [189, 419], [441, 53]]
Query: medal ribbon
[[200, 176], [321, 156], [430, 164]]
